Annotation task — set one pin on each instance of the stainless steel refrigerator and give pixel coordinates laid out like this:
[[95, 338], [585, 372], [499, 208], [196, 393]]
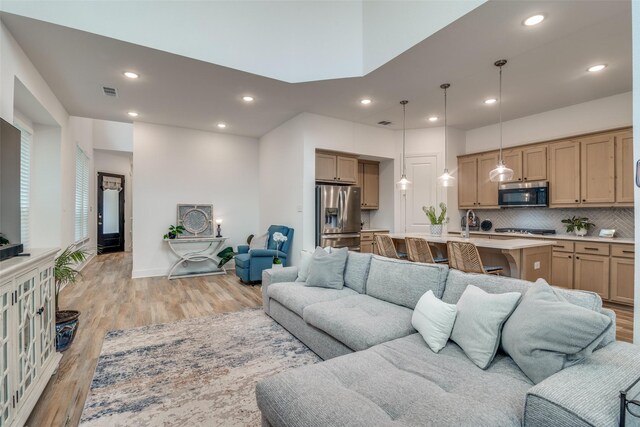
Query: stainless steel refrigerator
[[338, 216]]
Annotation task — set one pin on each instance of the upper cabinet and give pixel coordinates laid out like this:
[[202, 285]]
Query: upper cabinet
[[487, 190], [369, 181], [336, 168], [513, 159], [564, 173], [597, 169], [467, 182], [625, 174], [534, 163]]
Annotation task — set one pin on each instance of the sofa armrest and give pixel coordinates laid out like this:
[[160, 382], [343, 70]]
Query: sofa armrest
[[243, 249], [276, 275], [585, 394]]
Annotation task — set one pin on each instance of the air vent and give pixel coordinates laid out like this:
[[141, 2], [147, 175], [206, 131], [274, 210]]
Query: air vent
[[384, 122], [109, 91]]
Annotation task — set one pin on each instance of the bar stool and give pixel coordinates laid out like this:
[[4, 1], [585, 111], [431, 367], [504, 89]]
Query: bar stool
[[464, 256], [418, 250], [386, 248]]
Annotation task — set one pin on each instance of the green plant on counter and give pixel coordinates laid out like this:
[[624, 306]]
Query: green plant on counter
[[436, 219], [577, 223], [174, 231]]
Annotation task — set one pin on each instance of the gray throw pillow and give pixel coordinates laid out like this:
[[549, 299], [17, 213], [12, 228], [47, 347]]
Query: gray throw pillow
[[327, 270], [479, 323], [546, 334]]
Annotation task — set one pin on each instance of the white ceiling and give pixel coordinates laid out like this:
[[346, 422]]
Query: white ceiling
[[546, 70]]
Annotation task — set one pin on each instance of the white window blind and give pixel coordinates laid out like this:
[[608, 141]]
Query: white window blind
[[26, 136], [82, 195]]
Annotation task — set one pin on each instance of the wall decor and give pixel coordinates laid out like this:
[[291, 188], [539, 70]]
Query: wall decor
[[197, 220]]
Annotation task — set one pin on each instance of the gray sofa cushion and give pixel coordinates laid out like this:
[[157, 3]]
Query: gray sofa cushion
[[360, 321], [357, 271], [404, 282], [327, 270], [295, 296], [401, 383], [546, 334]]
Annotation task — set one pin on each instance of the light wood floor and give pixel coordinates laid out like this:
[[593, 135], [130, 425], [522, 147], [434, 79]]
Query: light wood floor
[[109, 299]]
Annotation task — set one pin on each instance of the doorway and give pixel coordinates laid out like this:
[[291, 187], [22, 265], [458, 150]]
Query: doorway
[[422, 171], [110, 212]]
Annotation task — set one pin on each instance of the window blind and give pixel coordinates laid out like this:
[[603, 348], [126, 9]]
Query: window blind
[[26, 137], [82, 195]]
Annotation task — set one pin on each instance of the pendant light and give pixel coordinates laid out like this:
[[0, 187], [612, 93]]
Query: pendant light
[[446, 179], [404, 183], [501, 173]]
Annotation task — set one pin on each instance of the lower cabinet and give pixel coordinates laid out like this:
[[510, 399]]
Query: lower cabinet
[[562, 269], [368, 243], [592, 274], [622, 280]]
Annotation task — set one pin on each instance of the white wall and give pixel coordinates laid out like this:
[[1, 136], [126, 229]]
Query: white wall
[[176, 165], [115, 136], [118, 163], [605, 113], [636, 155]]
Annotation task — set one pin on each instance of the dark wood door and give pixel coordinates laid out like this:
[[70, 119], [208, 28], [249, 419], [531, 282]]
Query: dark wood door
[[110, 212]]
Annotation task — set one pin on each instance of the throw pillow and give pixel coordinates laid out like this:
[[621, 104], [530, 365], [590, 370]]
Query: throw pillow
[[434, 320], [327, 270], [546, 333], [259, 242], [479, 323], [305, 263]]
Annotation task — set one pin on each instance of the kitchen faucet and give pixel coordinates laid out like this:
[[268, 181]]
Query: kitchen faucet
[[469, 216]]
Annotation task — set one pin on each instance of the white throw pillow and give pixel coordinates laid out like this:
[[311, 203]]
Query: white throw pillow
[[305, 264], [259, 242], [434, 320]]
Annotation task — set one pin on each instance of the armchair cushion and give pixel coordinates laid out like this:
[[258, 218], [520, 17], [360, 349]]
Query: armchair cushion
[[275, 229]]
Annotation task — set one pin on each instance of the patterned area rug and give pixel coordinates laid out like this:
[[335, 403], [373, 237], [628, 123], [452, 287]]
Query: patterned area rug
[[198, 372]]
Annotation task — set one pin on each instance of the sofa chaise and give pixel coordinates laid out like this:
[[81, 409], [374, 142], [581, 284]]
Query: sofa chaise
[[379, 372]]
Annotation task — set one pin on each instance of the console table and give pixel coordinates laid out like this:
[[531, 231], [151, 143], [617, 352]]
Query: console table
[[196, 249]]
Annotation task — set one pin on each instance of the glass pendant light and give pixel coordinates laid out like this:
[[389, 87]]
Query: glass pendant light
[[501, 173], [404, 183], [446, 179]]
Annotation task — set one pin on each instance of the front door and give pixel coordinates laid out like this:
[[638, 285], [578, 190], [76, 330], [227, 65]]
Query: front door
[[110, 212]]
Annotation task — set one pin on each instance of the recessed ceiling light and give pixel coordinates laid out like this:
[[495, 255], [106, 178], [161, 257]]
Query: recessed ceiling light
[[365, 101], [596, 68], [433, 119], [247, 98], [222, 125], [490, 101], [533, 20], [131, 74], [132, 114]]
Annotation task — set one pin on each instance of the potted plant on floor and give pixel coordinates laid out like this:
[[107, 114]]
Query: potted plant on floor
[[579, 225], [64, 272], [437, 221], [279, 238]]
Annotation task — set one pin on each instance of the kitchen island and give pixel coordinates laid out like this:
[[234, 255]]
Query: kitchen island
[[527, 259]]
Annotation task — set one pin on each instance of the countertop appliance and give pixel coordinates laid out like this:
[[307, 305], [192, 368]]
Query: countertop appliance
[[338, 216], [539, 231], [523, 194]]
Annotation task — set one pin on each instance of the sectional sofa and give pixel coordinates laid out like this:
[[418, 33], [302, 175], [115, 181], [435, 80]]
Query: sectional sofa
[[379, 372]]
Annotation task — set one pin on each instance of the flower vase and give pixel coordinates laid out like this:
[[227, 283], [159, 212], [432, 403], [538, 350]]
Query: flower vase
[[436, 229], [581, 232], [276, 266]]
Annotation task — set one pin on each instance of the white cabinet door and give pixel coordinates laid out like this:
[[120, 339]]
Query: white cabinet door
[[6, 356], [423, 174], [47, 310], [27, 364]]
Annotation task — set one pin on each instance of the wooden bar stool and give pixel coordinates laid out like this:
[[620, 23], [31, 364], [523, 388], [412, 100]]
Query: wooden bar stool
[[418, 250], [385, 246], [464, 256]]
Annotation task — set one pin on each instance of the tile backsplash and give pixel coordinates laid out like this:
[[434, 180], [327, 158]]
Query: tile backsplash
[[365, 216], [621, 219]]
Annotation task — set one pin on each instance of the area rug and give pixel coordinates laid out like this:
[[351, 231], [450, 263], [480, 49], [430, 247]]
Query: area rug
[[197, 372]]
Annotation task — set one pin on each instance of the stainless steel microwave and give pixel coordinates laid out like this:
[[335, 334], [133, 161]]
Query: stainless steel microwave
[[523, 194]]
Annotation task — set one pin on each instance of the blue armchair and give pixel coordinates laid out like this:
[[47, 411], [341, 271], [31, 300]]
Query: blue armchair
[[250, 263]]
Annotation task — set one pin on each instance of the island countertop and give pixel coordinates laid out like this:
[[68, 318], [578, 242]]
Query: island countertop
[[572, 237], [510, 244]]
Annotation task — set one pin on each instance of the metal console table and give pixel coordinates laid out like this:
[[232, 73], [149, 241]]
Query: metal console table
[[196, 249]]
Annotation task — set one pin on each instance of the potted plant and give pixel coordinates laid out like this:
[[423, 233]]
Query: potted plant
[[64, 272], [174, 231], [579, 225], [279, 238], [436, 220]]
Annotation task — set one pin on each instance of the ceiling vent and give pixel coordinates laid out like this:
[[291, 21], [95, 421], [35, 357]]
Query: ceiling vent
[[109, 91], [384, 122]]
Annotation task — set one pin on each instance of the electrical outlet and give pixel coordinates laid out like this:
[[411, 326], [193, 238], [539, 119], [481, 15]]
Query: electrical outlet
[[536, 265]]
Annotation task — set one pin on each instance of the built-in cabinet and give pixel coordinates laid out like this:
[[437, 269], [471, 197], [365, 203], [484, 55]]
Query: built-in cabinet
[[27, 336], [369, 182], [336, 168], [367, 241], [584, 171]]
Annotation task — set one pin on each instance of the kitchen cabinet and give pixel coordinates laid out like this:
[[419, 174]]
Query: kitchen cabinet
[[513, 159], [367, 241], [622, 280], [467, 182], [534, 163], [562, 269], [336, 168], [625, 173], [487, 190], [597, 169], [564, 173], [369, 182], [591, 273]]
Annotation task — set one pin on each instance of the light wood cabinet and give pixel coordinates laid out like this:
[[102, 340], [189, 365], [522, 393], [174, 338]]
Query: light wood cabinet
[[625, 173], [564, 173], [487, 190], [591, 273], [367, 241], [513, 159], [336, 168], [622, 280], [467, 182], [597, 169], [562, 269], [534, 163], [369, 182]]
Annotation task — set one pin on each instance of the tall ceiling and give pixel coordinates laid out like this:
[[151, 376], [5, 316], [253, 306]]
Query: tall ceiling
[[546, 70]]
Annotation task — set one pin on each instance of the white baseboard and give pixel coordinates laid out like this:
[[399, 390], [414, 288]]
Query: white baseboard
[[152, 272]]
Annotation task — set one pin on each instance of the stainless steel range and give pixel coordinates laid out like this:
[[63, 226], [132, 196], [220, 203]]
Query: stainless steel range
[[539, 231]]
